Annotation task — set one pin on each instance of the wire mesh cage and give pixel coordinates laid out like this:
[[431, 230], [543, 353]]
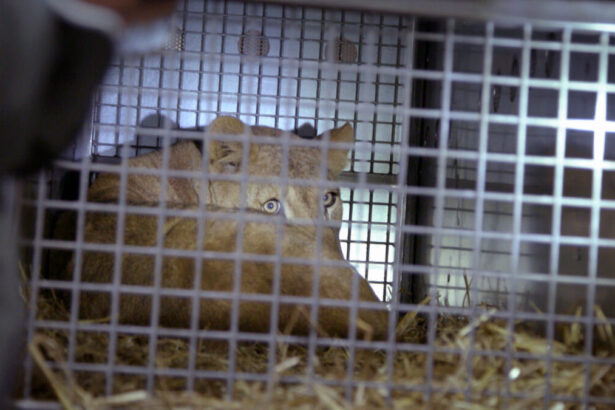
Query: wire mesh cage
[[463, 253]]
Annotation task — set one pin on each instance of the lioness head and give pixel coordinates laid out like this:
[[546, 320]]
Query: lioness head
[[265, 159]]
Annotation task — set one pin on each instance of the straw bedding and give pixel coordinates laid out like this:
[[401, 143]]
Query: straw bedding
[[459, 380]]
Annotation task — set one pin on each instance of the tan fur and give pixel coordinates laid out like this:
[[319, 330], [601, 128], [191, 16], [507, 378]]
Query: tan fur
[[220, 235]]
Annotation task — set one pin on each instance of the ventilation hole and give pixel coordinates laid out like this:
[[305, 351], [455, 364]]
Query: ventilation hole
[[253, 43], [175, 41], [342, 51]]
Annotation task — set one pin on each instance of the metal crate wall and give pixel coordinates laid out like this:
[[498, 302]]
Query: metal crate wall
[[259, 62], [520, 156]]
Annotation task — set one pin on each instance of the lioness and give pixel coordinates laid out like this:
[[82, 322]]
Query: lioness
[[258, 237]]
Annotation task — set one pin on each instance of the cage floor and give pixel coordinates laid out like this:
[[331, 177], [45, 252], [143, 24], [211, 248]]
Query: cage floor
[[467, 367]]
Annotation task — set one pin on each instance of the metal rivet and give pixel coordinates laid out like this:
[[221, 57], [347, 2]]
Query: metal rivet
[[341, 51], [253, 43], [175, 41]]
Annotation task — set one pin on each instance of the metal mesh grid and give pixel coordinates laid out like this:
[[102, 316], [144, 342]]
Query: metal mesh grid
[[278, 92], [368, 242], [487, 155], [504, 171]]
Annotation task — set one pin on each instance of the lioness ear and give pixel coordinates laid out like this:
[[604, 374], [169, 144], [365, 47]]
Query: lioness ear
[[225, 156], [337, 159]]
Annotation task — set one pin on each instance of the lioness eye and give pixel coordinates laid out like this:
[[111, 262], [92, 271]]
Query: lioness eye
[[272, 206], [328, 199]]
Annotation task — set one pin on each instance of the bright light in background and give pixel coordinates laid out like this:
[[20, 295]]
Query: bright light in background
[[367, 236]]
